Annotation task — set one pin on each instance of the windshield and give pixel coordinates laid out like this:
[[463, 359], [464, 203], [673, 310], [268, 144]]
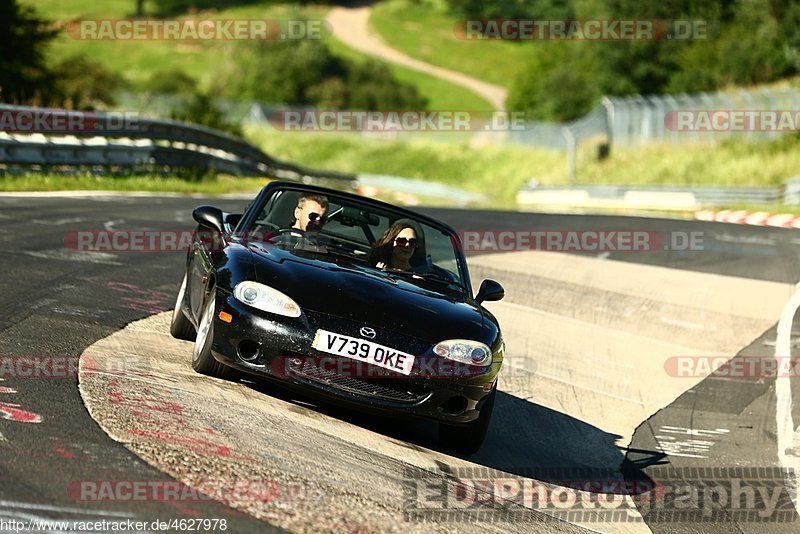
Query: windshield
[[337, 227]]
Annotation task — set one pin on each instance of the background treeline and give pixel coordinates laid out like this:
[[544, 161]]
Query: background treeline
[[27, 78], [749, 42], [300, 73]]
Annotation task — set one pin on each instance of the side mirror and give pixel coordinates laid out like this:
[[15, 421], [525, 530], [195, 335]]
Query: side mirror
[[489, 291], [209, 217]]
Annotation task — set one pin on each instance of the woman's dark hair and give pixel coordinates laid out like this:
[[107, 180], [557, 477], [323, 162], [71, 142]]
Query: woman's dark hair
[[382, 248]]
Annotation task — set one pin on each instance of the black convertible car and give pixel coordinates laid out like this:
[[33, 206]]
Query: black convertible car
[[347, 299]]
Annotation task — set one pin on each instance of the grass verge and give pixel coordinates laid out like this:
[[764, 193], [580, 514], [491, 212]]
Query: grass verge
[[219, 185], [442, 95], [495, 171], [426, 33], [724, 163]]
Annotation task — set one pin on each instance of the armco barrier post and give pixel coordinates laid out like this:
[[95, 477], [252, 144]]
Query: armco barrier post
[[791, 192]]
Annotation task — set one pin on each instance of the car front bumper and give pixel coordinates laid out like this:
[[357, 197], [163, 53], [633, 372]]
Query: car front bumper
[[279, 348]]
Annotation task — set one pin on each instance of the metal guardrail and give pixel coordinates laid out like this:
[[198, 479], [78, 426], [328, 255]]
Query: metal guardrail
[[668, 197], [116, 141], [614, 122], [703, 194]]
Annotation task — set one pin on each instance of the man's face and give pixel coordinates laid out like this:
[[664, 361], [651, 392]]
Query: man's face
[[304, 210]]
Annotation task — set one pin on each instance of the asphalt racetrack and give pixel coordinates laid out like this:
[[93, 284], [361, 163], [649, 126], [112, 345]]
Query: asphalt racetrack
[[605, 389]]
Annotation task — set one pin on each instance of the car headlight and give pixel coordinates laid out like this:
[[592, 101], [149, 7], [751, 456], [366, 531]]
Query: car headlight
[[266, 299], [464, 351]]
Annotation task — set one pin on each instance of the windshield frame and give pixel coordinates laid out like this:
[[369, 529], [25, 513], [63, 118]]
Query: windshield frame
[[247, 222]]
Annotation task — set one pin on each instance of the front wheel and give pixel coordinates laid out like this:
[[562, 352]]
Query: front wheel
[[180, 327], [202, 360], [467, 439]]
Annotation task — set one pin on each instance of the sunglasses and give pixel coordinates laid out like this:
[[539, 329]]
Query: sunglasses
[[314, 216], [403, 242]]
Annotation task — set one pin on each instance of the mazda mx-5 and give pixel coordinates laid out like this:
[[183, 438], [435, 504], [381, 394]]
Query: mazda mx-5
[[347, 299]]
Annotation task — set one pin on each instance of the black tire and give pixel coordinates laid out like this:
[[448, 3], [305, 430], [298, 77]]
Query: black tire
[[202, 360], [467, 439], [181, 327]]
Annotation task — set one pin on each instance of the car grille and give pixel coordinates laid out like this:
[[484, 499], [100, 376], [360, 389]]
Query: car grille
[[397, 390]]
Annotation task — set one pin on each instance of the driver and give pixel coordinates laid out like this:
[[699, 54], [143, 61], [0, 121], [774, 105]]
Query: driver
[[309, 212]]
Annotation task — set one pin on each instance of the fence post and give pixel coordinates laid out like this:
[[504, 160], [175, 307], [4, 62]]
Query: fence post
[[610, 121], [571, 156]]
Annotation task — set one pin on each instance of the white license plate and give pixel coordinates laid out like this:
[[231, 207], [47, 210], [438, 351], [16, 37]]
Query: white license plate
[[364, 351]]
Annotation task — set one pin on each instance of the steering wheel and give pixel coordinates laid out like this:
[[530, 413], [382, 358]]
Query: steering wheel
[[280, 231], [267, 224]]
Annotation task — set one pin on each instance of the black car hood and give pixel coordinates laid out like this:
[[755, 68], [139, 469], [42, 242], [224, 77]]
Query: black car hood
[[343, 289]]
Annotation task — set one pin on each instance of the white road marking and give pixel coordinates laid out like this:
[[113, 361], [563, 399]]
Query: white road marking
[[774, 343], [78, 312], [689, 447], [2, 437], [746, 239], [59, 222], [67, 255], [788, 437], [593, 390], [65, 509], [109, 225], [683, 324]]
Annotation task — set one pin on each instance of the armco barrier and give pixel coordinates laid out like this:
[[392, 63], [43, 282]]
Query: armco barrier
[[656, 197], [156, 145]]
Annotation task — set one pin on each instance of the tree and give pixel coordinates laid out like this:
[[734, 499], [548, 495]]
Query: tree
[[202, 109], [171, 8], [24, 36], [512, 9], [82, 83], [172, 81], [558, 85], [306, 73]]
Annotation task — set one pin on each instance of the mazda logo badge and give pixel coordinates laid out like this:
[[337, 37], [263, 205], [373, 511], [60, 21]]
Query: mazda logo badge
[[368, 332]]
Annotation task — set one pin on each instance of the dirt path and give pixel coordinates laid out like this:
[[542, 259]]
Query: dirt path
[[350, 25]]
